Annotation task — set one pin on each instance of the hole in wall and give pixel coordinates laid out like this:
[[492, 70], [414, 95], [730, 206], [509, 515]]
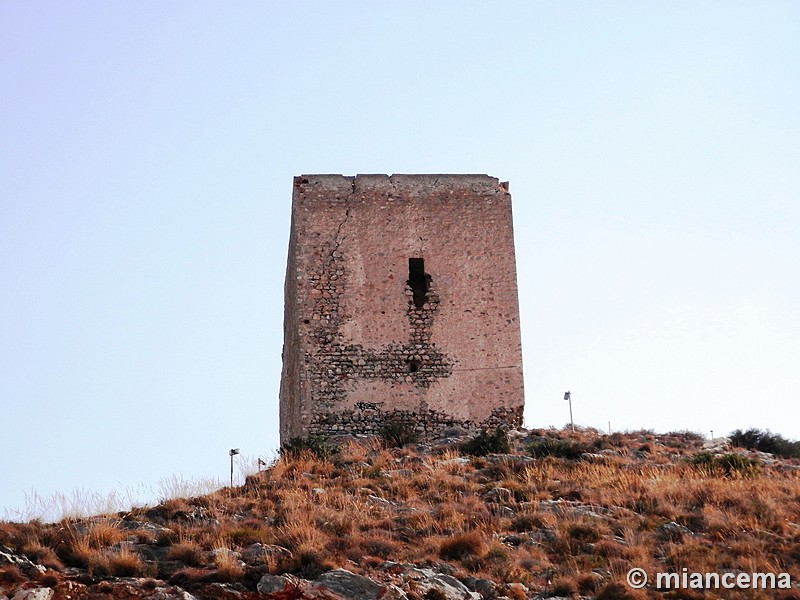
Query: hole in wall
[[306, 321], [418, 281], [413, 366]]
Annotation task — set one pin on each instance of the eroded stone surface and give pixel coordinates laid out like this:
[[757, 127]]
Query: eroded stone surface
[[401, 305]]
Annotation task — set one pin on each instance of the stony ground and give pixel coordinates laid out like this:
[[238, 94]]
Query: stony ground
[[527, 514]]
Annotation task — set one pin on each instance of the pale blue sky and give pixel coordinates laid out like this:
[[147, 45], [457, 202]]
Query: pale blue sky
[[147, 151]]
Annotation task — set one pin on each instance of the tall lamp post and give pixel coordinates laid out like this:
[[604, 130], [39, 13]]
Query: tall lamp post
[[233, 452], [568, 398]]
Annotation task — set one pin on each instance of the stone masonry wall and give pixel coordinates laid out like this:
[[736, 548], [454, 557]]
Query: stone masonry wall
[[369, 337]]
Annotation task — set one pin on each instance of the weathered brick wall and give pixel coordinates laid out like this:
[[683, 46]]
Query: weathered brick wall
[[365, 340]]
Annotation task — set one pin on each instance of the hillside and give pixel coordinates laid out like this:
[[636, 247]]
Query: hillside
[[530, 514]]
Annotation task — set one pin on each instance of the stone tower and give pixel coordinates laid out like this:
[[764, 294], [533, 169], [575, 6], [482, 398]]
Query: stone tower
[[400, 304]]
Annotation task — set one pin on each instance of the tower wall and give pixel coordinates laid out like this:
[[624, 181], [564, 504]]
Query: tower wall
[[400, 303]]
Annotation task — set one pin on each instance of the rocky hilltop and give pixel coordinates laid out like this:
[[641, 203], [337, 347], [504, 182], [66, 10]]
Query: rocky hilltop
[[504, 515]]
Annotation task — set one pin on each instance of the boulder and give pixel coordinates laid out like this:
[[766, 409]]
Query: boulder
[[23, 563], [674, 532], [458, 461], [33, 594], [272, 583], [394, 593], [260, 554], [378, 501], [350, 585], [398, 473], [498, 494], [450, 588], [485, 587]]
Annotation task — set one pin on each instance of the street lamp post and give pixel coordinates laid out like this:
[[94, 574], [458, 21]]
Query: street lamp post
[[568, 398], [233, 452]]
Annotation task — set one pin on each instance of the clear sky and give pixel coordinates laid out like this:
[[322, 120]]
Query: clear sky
[[147, 151]]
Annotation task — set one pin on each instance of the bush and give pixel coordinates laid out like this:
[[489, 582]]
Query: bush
[[527, 523], [686, 436], [462, 546], [564, 586], [619, 591], [125, 563], [764, 441], [487, 443], [728, 464], [735, 463], [11, 575], [541, 447], [228, 567], [398, 433], [314, 444], [311, 563], [188, 553], [584, 532]]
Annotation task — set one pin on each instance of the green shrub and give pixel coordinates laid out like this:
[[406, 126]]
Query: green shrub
[[486, 442], [541, 447], [727, 464], [397, 433], [315, 445], [765, 441]]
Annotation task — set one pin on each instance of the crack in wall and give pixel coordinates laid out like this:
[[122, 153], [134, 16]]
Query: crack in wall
[[347, 228], [331, 362], [338, 238]]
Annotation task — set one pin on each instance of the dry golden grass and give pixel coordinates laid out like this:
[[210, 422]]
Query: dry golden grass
[[188, 553], [556, 525], [42, 555], [227, 566], [126, 563]]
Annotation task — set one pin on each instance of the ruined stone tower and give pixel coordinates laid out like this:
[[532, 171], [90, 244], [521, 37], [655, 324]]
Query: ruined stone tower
[[400, 304]]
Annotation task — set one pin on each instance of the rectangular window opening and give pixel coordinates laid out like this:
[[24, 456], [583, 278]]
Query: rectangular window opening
[[418, 281]]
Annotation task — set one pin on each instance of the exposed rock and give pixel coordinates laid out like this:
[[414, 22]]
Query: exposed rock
[[510, 458], [226, 553], [350, 585], [398, 473], [580, 509], [150, 552], [33, 594], [260, 554], [23, 563], [458, 461], [448, 585], [519, 587], [394, 593], [485, 587], [272, 583], [593, 457], [719, 444], [172, 594], [147, 526], [498, 494], [378, 500], [505, 512], [225, 591], [673, 531], [512, 540]]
